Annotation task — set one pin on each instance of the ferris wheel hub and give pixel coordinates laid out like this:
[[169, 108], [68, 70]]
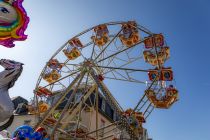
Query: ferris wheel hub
[[88, 63]]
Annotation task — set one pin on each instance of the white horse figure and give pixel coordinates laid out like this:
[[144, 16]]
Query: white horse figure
[[7, 79]]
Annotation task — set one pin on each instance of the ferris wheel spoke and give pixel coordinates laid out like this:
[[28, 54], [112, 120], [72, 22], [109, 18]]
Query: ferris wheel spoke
[[93, 50], [126, 69], [101, 56], [126, 80], [108, 45], [83, 57], [85, 46], [76, 65], [121, 51], [62, 84], [121, 66], [121, 75], [110, 61], [75, 68], [127, 52], [65, 62], [88, 44], [145, 30]]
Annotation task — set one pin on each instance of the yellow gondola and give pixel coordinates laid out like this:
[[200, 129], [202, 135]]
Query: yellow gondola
[[165, 101], [102, 35], [75, 42], [54, 64], [130, 34], [43, 107], [72, 54], [165, 74], [51, 76], [154, 40], [162, 55]]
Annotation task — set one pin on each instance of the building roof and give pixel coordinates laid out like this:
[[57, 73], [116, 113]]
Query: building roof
[[17, 98]]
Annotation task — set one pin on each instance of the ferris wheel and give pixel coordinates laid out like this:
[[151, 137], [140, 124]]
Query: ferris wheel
[[72, 83]]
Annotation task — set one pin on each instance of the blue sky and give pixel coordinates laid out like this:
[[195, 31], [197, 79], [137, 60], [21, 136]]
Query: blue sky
[[185, 25]]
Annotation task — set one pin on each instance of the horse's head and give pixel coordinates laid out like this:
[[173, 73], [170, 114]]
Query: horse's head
[[10, 64], [11, 73]]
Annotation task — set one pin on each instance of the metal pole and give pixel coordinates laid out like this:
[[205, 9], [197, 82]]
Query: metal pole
[[97, 112], [66, 106], [52, 108]]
